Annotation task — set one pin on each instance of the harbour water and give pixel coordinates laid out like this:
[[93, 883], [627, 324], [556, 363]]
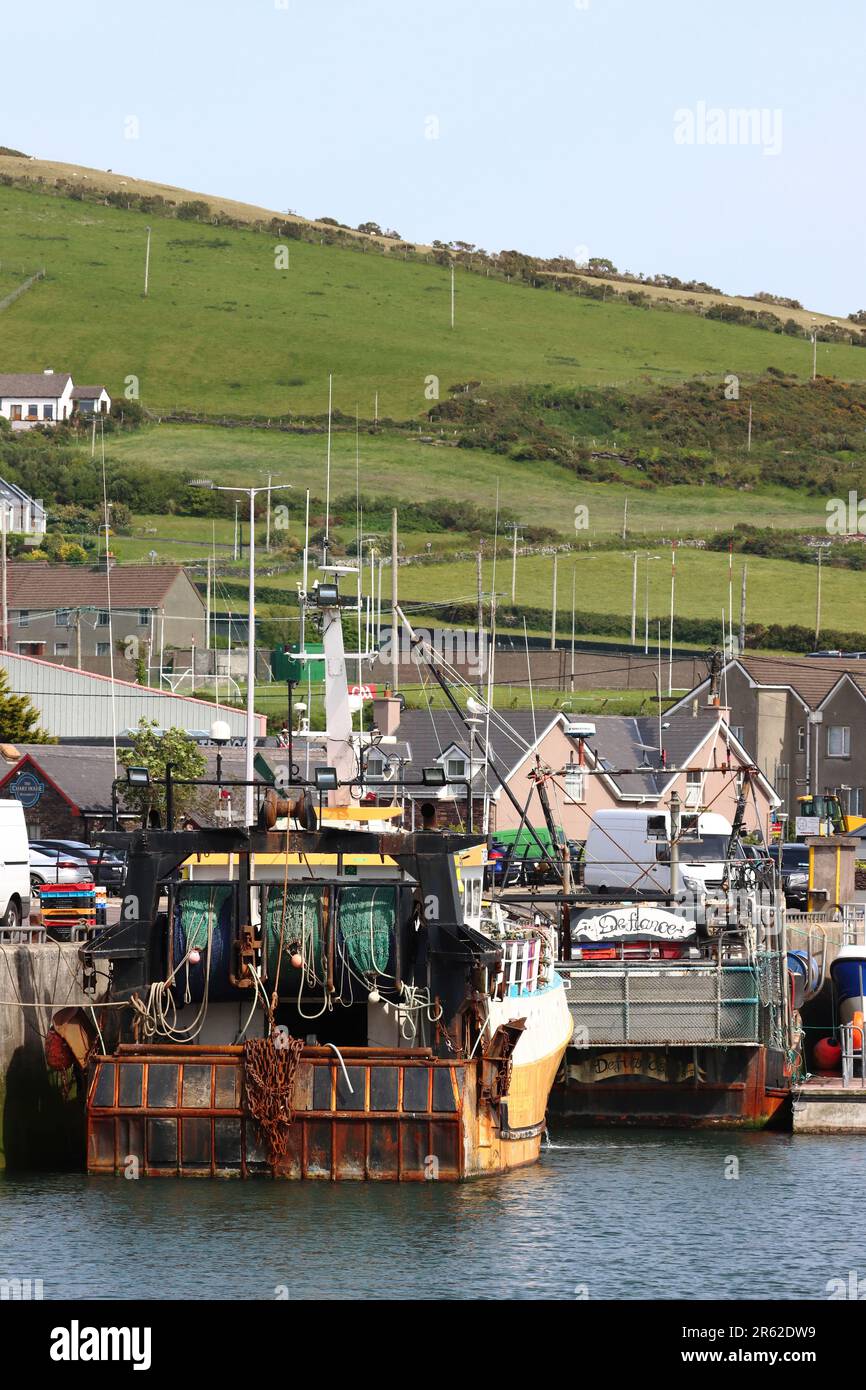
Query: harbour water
[[606, 1214]]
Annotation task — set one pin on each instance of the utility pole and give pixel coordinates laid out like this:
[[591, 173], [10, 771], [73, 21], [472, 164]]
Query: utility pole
[[236, 531], [818, 596], [77, 612], [480, 588], [573, 581], [625, 519], [553, 607], [452, 296], [268, 521], [249, 762], [671, 637], [376, 409], [207, 608], [634, 599], [743, 613], [395, 631], [147, 264], [514, 567], [749, 437]]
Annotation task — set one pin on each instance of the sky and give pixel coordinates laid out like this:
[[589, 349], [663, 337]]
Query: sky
[[557, 127]]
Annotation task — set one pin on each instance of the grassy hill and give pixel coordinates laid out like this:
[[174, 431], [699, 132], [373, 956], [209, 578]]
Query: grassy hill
[[223, 331], [533, 490], [778, 591], [573, 402]]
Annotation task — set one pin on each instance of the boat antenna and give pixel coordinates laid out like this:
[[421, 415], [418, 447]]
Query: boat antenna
[[359, 515], [108, 593], [327, 541], [302, 621], [529, 679]]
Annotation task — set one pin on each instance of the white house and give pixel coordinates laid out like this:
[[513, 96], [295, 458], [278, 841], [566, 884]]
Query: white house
[[91, 400], [20, 513], [28, 399], [35, 398]]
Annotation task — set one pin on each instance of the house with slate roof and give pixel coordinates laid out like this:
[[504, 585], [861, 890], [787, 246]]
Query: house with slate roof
[[804, 720], [628, 762], [61, 612], [47, 398]]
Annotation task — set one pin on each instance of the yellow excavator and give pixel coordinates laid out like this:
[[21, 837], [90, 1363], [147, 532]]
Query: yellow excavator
[[827, 810]]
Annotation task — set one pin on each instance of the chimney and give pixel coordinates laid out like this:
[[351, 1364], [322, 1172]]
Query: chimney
[[386, 714]]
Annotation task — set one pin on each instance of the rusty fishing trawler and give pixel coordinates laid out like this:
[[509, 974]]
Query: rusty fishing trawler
[[321, 994]]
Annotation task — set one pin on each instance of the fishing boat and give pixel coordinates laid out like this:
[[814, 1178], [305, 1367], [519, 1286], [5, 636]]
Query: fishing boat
[[674, 1026], [321, 994], [848, 973]]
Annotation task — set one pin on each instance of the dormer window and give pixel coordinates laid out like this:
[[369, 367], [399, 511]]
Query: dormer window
[[456, 769], [375, 767]]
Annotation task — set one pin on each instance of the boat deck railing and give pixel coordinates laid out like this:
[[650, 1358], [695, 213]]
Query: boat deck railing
[[853, 1039], [654, 1003]]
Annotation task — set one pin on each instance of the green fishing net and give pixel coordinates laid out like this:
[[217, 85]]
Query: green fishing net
[[199, 908], [303, 926], [366, 919]]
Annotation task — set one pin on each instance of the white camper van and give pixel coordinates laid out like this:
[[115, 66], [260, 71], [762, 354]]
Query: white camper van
[[14, 865], [628, 852]]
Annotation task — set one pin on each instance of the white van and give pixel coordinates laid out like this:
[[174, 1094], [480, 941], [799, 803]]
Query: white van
[[628, 852], [14, 865]]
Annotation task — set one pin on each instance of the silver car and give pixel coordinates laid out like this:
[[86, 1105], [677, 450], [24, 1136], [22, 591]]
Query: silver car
[[56, 866]]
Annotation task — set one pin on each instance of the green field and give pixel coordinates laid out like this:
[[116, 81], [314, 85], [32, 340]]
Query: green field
[[223, 331], [533, 491], [778, 591], [271, 700]]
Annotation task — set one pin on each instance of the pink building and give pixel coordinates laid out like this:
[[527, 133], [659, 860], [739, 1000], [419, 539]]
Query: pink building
[[627, 762]]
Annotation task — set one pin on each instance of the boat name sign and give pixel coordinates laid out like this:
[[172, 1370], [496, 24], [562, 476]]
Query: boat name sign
[[631, 922]]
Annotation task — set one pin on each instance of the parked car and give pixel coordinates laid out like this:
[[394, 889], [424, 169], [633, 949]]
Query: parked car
[[495, 874], [106, 866], [14, 880], [49, 865], [795, 875]]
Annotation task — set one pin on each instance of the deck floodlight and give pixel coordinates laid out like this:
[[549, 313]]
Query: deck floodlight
[[138, 776], [433, 776], [327, 596], [326, 779]]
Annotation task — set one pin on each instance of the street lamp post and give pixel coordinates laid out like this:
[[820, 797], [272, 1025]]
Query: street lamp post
[[252, 493]]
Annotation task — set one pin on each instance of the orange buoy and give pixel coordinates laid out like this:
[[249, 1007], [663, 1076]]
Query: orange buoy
[[857, 1030], [828, 1054]]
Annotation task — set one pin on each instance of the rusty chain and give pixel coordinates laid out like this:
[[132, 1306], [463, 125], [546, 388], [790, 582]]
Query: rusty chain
[[269, 1086]]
